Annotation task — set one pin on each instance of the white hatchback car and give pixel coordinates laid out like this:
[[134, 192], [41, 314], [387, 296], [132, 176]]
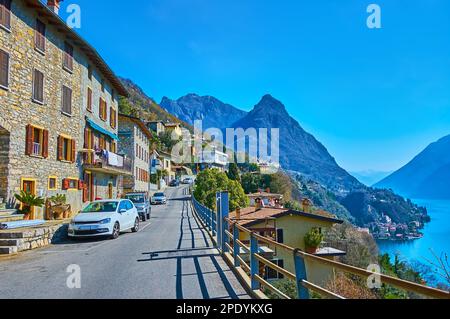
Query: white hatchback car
[[105, 218]]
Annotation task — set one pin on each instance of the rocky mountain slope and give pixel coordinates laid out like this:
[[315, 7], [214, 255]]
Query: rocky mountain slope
[[140, 105], [427, 176], [299, 150], [212, 111]]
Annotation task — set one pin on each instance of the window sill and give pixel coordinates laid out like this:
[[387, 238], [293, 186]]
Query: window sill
[[67, 69], [66, 161], [37, 102], [39, 51], [37, 156], [66, 114], [5, 28], [6, 88]]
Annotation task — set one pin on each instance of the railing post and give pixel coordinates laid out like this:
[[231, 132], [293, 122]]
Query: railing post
[[300, 275], [218, 221], [236, 246], [254, 263], [224, 212]]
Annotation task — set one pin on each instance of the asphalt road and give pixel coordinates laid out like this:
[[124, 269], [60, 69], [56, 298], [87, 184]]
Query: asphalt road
[[169, 258]]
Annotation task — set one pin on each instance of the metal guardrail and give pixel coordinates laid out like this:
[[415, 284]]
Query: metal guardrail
[[228, 242]]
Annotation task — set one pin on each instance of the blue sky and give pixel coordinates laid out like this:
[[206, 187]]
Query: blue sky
[[374, 98]]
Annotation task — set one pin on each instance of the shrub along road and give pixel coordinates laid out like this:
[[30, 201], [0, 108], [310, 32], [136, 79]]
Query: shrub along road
[[170, 257]]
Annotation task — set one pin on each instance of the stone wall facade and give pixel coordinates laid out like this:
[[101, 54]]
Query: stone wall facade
[[17, 110], [135, 143]]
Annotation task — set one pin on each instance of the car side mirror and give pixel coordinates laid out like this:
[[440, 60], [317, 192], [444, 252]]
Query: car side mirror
[[122, 211]]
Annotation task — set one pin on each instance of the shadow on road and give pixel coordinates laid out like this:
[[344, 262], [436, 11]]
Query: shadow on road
[[205, 256]]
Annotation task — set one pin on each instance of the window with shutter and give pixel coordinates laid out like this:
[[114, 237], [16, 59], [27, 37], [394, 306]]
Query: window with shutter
[[66, 149], [4, 69], [45, 144], [29, 140], [66, 100], [89, 100], [103, 110], [68, 57], [73, 149], [36, 141], [5, 14], [39, 36], [70, 184], [113, 119], [38, 86]]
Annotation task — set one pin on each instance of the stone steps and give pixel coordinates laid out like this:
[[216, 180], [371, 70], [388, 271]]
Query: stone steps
[[11, 218], [9, 242], [17, 240], [8, 250], [7, 212]]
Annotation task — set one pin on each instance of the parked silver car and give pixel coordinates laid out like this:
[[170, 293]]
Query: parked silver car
[[140, 200]]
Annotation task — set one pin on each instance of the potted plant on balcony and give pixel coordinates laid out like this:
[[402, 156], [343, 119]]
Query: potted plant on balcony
[[313, 239], [59, 207], [28, 201]]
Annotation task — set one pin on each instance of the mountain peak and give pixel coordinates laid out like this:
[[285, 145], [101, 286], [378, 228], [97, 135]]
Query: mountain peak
[[269, 104]]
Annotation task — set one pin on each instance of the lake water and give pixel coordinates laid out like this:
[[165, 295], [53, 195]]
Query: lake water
[[436, 235]]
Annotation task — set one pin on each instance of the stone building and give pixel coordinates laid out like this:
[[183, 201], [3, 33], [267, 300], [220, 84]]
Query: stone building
[[135, 141], [44, 71], [157, 126]]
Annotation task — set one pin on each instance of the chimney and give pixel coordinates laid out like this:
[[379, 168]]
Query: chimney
[[258, 203], [54, 5], [238, 213]]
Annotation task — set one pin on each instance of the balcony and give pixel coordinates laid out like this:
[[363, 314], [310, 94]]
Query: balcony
[[107, 162], [37, 151]]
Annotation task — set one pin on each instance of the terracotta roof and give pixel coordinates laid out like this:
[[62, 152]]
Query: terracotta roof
[[264, 194], [78, 41], [250, 215]]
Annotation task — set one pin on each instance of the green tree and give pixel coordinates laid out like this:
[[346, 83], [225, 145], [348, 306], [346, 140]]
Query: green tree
[[211, 181], [234, 173]]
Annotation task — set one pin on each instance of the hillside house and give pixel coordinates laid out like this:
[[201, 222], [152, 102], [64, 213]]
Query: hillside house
[[288, 227]]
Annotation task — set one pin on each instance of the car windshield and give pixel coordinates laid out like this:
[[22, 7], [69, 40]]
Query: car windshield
[[101, 207], [137, 199], [159, 195]]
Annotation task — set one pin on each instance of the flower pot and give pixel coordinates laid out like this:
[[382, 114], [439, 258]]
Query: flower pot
[[312, 250], [27, 216], [58, 215]]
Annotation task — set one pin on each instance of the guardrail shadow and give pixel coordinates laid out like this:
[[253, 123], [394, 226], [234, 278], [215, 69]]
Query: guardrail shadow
[[204, 258]]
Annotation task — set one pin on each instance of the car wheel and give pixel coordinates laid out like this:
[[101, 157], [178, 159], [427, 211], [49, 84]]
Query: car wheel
[[116, 231], [135, 229]]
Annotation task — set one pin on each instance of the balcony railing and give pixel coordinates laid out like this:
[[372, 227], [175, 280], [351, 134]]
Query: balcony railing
[[37, 149], [226, 232], [108, 162]]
